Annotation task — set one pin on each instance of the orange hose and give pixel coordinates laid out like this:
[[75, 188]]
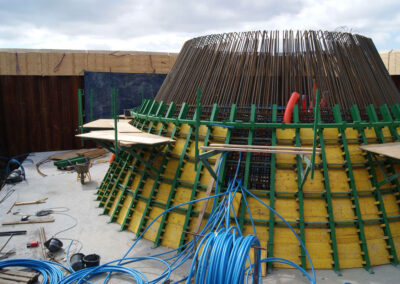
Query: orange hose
[[287, 117], [112, 158]]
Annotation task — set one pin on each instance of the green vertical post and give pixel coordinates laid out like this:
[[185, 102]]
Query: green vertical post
[[247, 165], [196, 182], [374, 180], [271, 221], [80, 115], [197, 128], [114, 94], [316, 122], [300, 194], [232, 117], [91, 105], [328, 195], [360, 223]]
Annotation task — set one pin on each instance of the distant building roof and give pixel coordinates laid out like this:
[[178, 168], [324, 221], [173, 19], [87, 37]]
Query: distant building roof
[[391, 59]]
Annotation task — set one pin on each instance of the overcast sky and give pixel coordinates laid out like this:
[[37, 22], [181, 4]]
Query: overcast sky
[[156, 25]]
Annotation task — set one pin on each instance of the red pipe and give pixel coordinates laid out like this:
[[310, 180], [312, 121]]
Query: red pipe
[[287, 117]]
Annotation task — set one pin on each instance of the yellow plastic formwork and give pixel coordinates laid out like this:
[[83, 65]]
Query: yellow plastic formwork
[[285, 245]]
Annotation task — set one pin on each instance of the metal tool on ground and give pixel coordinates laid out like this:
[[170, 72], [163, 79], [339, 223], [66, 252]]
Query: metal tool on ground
[[32, 221], [9, 233], [32, 244], [19, 203]]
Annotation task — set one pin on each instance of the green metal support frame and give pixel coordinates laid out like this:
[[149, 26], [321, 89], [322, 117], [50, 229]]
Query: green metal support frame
[[213, 117], [139, 187], [378, 197], [300, 182], [360, 223], [270, 251], [329, 207], [154, 190], [172, 191]]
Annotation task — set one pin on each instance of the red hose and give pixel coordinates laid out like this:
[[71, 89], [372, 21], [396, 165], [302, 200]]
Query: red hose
[[112, 158], [287, 117]]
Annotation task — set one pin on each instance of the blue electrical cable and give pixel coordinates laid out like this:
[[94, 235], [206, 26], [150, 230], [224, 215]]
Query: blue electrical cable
[[222, 252]]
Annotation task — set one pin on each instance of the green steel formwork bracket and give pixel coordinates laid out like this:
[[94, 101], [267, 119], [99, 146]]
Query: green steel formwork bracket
[[367, 263], [123, 194], [300, 182], [150, 201], [80, 115], [253, 111], [198, 95], [169, 113], [173, 187], [232, 118], [213, 117], [316, 123], [270, 251], [386, 229], [328, 195]]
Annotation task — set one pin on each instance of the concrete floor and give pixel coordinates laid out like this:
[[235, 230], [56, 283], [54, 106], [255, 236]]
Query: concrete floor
[[96, 236]]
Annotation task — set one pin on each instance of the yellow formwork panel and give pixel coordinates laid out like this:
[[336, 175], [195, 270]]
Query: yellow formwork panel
[[362, 179], [287, 208], [377, 251], [391, 205], [262, 234], [318, 245], [349, 249], [330, 133], [175, 221], [315, 210], [368, 208], [285, 134], [219, 132], [333, 154], [257, 210], [395, 230], [171, 168], [338, 181], [178, 146], [356, 154], [114, 203], [316, 184], [285, 180], [351, 133], [286, 246], [124, 209], [151, 233], [136, 216], [188, 173], [163, 192], [342, 209]]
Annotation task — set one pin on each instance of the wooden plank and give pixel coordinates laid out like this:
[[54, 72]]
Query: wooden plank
[[138, 138], [205, 202], [387, 149], [67, 155], [265, 147], [33, 221], [122, 126], [255, 150], [20, 273]]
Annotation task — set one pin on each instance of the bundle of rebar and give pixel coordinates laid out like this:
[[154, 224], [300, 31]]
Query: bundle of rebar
[[265, 68]]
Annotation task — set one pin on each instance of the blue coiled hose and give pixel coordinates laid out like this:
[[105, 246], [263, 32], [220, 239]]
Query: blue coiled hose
[[223, 257], [50, 271]]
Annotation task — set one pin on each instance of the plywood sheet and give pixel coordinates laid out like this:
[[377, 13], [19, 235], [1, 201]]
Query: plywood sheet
[[387, 149], [123, 126], [127, 138]]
